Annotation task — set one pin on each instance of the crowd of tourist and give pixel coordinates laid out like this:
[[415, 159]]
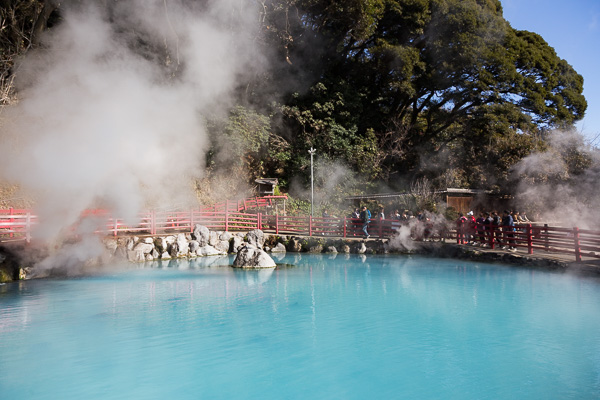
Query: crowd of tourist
[[490, 227]]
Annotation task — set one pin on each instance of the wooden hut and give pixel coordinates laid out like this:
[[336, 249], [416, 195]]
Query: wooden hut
[[266, 186]]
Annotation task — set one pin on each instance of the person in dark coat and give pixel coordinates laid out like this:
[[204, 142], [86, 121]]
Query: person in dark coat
[[508, 227], [365, 216]]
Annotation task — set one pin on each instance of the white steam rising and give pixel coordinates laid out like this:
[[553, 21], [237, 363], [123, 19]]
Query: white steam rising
[[112, 104], [562, 184]]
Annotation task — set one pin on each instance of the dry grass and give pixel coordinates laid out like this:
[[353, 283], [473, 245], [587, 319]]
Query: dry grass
[[11, 196]]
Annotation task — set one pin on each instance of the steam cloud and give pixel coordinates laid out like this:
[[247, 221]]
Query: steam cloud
[[112, 104], [562, 184]]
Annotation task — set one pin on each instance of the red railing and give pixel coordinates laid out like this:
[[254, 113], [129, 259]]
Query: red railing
[[18, 224], [579, 242]]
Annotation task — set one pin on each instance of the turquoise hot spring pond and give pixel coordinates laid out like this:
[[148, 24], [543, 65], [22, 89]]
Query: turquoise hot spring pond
[[321, 327]]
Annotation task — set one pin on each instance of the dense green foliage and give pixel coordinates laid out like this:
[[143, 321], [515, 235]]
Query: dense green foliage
[[391, 90], [438, 88]]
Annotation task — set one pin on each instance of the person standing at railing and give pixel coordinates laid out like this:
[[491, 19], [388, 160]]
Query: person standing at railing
[[496, 222], [396, 218], [470, 228], [523, 218], [508, 227], [365, 216], [480, 227], [461, 227]]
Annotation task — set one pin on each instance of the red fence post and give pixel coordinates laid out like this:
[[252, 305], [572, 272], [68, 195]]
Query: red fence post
[[191, 220], [577, 244], [227, 217], [258, 221], [12, 220], [492, 234], [153, 222], [310, 225], [277, 224], [529, 240]]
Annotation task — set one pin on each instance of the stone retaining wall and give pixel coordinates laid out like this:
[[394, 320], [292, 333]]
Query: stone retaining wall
[[203, 243]]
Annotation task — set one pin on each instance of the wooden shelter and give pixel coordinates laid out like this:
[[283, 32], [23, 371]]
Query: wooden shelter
[[266, 186]]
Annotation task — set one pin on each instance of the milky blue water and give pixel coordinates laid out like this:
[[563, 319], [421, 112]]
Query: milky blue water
[[345, 328]]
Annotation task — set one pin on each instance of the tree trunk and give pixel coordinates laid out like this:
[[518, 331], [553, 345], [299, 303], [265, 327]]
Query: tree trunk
[[41, 22]]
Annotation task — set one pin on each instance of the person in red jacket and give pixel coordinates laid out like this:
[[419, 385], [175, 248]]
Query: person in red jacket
[[470, 228]]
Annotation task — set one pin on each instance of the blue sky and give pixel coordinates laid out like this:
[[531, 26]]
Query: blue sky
[[573, 29]]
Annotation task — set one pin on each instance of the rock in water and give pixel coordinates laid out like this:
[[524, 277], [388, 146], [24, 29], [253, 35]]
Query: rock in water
[[256, 238], [201, 234], [194, 246], [332, 249], [183, 245], [237, 244], [294, 245], [252, 257], [360, 248], [280, 248], [208, 250]]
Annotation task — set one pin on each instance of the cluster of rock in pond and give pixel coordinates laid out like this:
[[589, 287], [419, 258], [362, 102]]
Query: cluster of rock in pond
[[251, 248]]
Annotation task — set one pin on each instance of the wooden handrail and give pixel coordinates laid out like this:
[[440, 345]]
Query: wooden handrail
[[17, 224]]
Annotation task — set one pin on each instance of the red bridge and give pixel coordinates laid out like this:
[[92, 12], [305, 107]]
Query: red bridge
[[17, 224]]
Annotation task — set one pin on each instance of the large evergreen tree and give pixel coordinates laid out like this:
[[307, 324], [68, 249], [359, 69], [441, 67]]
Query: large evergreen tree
[[445, 89], [442, 84]]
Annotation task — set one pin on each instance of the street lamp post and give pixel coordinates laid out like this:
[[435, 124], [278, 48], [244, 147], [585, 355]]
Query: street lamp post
[[312, 186]]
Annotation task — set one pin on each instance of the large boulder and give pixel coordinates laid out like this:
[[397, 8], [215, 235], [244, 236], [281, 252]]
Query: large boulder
[[225, 236], [331, 249], [136, 255], [279, 248], [207, 250], [173, 250], [110, 244], [213, 238], [194, 246], [183, 245], [130, 243], [316, 248], [256, 238], [222, 246], [294, 245], [201, 234], [121, 253], [236, 244], [140, 252], [145, 248], [160, 244], [360, 248], [253, 257]]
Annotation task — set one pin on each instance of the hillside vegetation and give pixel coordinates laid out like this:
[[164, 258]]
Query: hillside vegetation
[[387, 91]]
